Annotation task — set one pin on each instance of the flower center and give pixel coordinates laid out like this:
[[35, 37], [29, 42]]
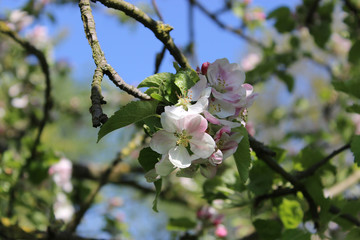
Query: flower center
[[183, 138]]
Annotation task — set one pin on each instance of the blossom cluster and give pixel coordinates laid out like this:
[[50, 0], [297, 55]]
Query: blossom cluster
[[199, 129]]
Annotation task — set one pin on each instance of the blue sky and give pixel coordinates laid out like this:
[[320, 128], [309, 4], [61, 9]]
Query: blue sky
[[132, 51]]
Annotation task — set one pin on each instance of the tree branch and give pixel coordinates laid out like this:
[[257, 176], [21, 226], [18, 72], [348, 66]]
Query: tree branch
[[161, 30], [311, 170], [222, 25], [46, 107], [263, 153], [102, 67]]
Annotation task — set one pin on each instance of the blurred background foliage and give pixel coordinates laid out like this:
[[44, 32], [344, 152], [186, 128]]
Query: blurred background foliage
[[304, 63]]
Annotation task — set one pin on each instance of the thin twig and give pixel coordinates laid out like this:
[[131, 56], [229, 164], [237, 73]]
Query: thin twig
[[90, 199], [157, 11], [46, 107], [263, 153], [311, 170], [287, 191], [159, 58], [222, 25], [161, 30]]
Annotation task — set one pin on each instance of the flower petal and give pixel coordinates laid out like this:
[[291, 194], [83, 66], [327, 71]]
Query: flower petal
[[196, 91], [202, 145], [195, 123], [162, 141], [180, 157]]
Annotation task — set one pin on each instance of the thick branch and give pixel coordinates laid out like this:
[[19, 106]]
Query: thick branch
[[311, 170], [222, 25], [98, 117], [161, 30], [98, 54], [263, 153]]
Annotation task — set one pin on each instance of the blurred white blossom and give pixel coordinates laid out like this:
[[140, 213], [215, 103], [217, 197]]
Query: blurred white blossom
[[61, 173], [20, 102], [19, 19], [63, 209]]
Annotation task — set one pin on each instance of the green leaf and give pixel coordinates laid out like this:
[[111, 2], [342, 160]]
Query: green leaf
[[290, 213], [321, 33], [308, 156], [287, 79], [261, 178], [155, 80], [185, 79], [242, 155], [354, 53], [350, 87], [355, 108], [354, 234], [147, 159], [355, 148], [157, 184], [128, 114], [268, 229], [295, 234], [180, 224], [284, 19]]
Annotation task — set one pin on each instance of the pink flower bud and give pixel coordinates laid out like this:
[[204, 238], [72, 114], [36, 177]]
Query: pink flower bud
[[221, 231], [205, 67], [217, 220]]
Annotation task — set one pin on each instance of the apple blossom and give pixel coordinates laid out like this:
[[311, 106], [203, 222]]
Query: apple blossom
[[182, 130], [61, 173], [221, 231]]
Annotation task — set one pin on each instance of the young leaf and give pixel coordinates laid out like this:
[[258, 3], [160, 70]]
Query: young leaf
[[354, 53], [242, 156], [155, 80], [185, 79], [290, 213], [355, 108], [132, 112], [355, 148]]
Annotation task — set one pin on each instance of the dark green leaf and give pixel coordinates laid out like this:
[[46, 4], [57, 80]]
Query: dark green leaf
[[284, 19], [185, 79], [132, 112], [156, 80], [355, 108], [321, 33], [181, 224], [354, 53], [242, 155], [295, 234], [268, 229], [350, 86], [355, 148], [261, 178], [148, 158]]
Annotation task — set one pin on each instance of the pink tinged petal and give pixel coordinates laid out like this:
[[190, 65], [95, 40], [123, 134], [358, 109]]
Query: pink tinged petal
[[171, 118], [180, 157], [249, 89], [230, 124], [218, 134], [221, 231], [195, 123], [208, 170], [216, 158], [229, 149], [202, 145], [164, 167], [211, 118], [221, 109], [199, 106], [196, 91], [162, 141]]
